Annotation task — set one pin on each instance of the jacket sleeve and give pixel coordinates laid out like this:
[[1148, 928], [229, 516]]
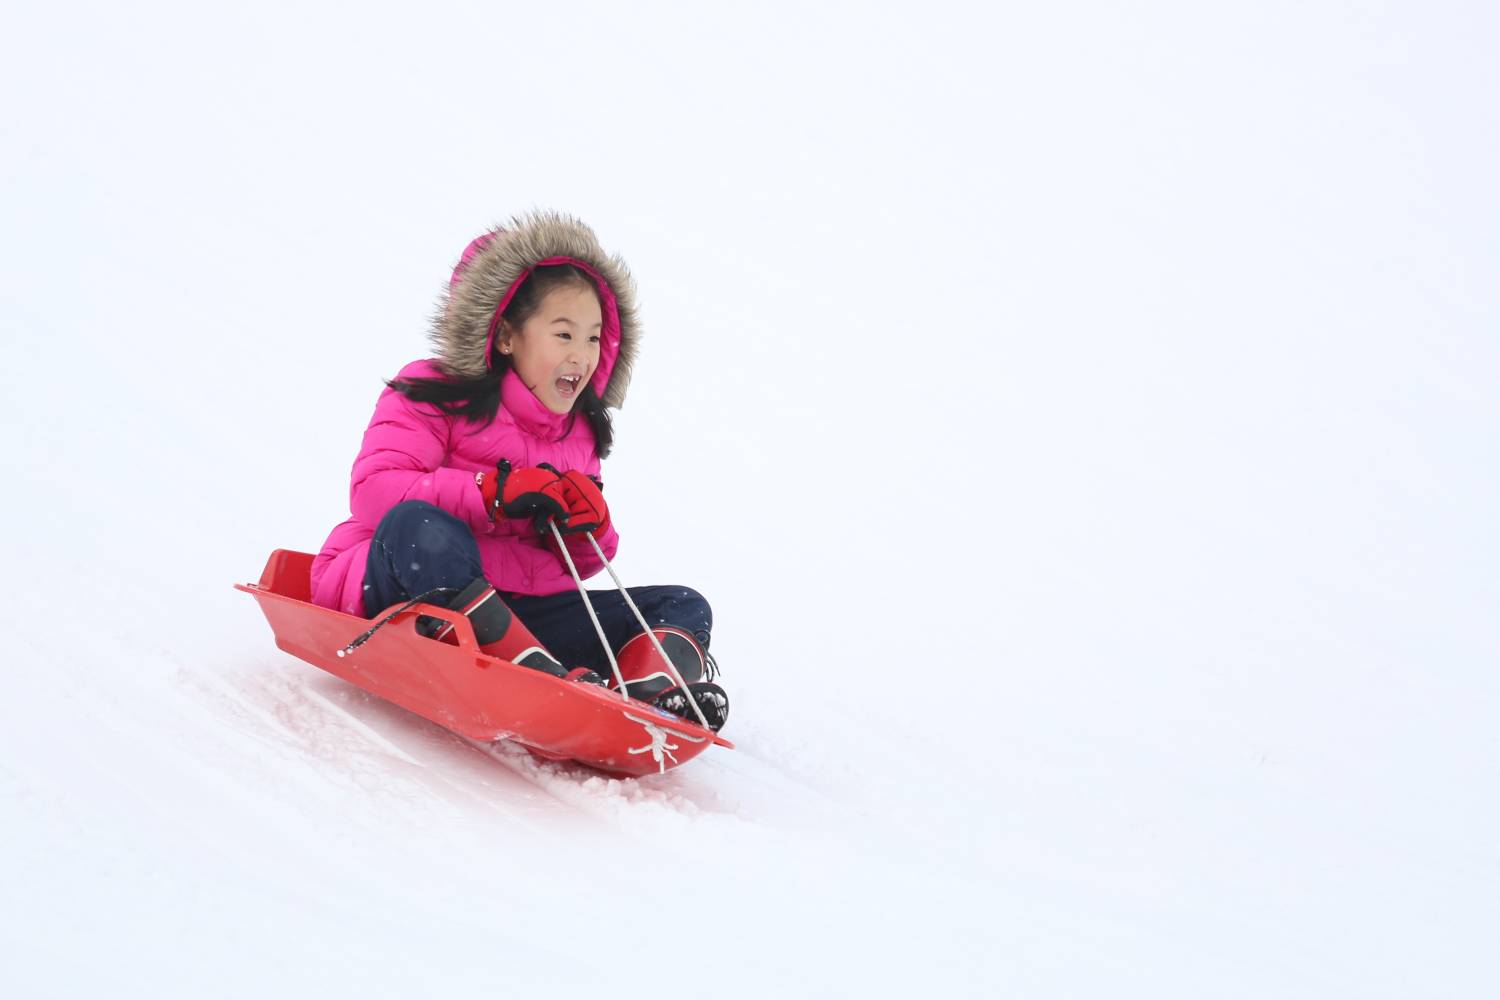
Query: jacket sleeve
[[402, 458]]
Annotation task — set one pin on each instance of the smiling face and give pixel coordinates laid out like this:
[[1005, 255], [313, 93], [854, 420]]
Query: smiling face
[[556, 349]]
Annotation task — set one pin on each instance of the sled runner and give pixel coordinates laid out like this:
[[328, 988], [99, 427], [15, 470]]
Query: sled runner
[[468, 692]]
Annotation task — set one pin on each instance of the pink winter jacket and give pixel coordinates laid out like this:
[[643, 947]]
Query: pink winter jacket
[[412, 451]]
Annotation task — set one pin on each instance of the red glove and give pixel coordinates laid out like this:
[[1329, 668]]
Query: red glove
[[534, 493], [586, 508]]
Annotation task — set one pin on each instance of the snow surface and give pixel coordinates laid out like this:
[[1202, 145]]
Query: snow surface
[[1082, 419]]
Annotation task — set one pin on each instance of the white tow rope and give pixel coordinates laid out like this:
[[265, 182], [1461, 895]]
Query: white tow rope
[[647, 629], [568, 558], [620, 680]]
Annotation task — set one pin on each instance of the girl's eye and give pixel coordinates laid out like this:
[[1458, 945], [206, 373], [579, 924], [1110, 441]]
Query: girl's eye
[[565, 335], [594, 340]]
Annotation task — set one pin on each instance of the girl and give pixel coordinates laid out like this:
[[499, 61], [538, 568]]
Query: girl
[[472, 456]]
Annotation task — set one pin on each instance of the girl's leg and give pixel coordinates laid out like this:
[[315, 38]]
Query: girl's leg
[[562, 623], [418, 547]]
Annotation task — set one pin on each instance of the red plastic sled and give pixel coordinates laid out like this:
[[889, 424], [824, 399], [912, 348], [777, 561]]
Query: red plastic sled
[[463, 690]]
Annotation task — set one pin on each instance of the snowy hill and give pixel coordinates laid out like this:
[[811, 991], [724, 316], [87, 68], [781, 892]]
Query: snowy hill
[[1082, 423]]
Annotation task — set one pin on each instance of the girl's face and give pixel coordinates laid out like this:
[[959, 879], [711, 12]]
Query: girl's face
[[557, 349]]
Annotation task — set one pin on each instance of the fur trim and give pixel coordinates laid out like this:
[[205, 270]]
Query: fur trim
[[460, 330]]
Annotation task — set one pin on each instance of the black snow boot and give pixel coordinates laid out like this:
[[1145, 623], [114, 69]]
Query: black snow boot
[[711, 699]]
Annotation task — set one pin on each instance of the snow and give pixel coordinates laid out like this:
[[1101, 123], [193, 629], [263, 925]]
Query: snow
[[1082, 421]]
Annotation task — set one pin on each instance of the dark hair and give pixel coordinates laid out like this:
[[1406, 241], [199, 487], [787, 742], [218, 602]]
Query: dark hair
[[478, 399]]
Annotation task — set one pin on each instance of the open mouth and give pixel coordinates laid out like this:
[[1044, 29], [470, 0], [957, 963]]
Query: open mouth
[[568, 386]]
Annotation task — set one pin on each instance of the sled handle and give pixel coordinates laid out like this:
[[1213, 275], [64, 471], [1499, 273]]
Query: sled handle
[[619, 679], [465, 630], [459, 625]]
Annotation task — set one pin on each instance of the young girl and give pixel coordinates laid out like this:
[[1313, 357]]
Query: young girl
[[472, 457]]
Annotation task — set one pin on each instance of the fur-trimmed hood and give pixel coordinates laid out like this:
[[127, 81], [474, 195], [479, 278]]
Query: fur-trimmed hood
[[487, 276]]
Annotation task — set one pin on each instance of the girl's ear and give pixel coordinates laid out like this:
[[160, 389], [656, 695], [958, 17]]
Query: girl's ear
[[502, 338]]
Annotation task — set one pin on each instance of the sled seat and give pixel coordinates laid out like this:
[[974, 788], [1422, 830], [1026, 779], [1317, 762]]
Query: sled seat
[[289, 574]]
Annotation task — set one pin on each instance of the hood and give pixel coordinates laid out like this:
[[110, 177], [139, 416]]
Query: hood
[[491, 269]]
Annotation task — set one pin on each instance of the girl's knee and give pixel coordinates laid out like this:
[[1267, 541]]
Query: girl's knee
[[405, 514], [420, 527], [418, 516], [691, 611], [700, 603]]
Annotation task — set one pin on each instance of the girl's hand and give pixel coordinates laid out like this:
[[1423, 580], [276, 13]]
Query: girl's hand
[[586, 509], [534, 493]]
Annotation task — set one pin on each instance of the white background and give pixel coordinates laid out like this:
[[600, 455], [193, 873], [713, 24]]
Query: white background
[[1082, 420]]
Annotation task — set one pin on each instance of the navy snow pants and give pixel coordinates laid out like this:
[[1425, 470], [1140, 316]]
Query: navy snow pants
[[418, 547]]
